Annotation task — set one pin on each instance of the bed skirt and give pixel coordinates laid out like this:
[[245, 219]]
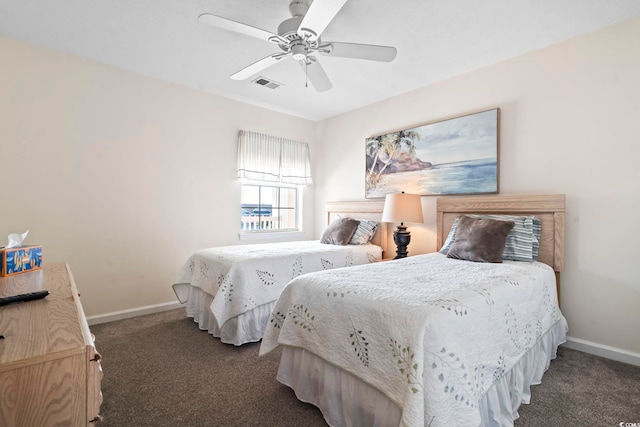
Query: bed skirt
[[242, 329], [346, 401]]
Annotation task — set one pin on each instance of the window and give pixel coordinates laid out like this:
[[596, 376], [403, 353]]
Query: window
[[269, 208], [273, 171]]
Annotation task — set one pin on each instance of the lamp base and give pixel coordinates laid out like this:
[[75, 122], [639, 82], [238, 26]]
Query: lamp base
[[401, 237]]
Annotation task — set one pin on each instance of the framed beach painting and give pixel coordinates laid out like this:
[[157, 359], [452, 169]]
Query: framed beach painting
[[455, 156]]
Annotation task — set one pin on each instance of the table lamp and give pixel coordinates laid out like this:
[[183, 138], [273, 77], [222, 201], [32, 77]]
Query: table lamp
[[402, 207]]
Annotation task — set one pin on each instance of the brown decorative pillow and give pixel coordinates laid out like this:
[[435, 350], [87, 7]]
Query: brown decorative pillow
[[480, 240], [340, 231]]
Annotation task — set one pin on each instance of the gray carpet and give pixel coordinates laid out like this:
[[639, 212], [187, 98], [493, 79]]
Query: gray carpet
[[161, 370]]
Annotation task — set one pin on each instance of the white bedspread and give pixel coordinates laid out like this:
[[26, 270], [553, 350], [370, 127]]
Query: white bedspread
[[425, 330], [246, 276]]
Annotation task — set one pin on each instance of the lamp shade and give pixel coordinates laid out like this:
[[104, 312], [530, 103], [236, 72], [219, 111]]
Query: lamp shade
[[402, 207]]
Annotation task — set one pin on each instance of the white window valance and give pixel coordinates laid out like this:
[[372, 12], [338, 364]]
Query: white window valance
[[270, 158]]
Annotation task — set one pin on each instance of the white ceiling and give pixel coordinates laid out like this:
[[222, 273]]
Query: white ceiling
[[436, 39]]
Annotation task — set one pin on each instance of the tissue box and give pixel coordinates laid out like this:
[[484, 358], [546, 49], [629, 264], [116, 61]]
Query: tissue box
[[20, 259]]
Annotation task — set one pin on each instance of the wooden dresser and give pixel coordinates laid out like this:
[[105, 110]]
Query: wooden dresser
[[49, 368]]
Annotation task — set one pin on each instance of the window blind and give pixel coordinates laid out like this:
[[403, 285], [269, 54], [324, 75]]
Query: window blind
[[270, 158]]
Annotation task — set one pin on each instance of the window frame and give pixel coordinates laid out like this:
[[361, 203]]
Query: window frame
[[287, 233]]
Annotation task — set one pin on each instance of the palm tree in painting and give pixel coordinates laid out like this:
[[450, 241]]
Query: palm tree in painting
[[384, 148]]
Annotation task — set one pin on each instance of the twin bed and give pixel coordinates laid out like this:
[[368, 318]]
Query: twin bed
[[425, 340], [230, 291]]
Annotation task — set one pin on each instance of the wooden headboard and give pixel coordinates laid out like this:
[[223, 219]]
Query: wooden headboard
[[549, 208], [369, 209]]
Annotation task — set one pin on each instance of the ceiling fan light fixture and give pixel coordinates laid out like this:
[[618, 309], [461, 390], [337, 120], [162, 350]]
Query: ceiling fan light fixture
[[299, 50]]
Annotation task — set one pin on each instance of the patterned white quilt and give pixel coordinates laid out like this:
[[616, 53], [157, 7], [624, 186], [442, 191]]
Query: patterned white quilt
[[246, 276], [424, 326]]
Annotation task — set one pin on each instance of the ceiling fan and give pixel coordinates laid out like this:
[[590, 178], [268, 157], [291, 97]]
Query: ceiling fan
[[299, 37]]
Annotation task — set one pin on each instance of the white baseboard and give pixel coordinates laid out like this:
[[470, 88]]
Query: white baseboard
[[602, 350], [133, 312]]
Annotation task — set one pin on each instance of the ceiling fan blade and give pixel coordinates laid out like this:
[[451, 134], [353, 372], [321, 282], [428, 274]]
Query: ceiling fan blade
[[320, 13], [228, 24], [258, 66], [361, 51], [315, 73]]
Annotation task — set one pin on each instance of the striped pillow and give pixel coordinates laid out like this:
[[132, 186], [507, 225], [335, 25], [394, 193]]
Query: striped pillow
[[522, 241], [364, 233], [537, 232]]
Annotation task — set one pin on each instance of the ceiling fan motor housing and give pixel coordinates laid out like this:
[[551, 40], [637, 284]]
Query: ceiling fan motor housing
[[288, 30], [289, 27]]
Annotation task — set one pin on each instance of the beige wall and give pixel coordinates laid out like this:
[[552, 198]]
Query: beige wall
[[121, 176], [569, 123]]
